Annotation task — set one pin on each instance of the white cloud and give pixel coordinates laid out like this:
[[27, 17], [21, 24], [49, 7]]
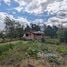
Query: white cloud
[[58, 7], [63, 5], [31, 6], [7, 2], [3, 16], [39, 6], [23, 21], [38, 21], [19, 9], [53, 21], [57, 21], [62, 14], [53, 7], [21, 2]]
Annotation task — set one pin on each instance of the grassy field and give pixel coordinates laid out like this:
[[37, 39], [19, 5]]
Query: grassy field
[[33, 54]]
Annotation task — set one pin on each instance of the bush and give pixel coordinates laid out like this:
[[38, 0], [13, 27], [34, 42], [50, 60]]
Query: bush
[[62, 50], [32, 51], [53, 41], [54, 58], [4, 48], [42, 39]]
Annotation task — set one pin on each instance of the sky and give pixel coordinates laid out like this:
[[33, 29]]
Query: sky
[[49, 12]]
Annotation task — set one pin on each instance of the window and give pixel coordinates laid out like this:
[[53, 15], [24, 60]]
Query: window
[[27, 34]]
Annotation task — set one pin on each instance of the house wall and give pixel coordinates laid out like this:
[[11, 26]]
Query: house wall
[[32, 36], [38, 37]]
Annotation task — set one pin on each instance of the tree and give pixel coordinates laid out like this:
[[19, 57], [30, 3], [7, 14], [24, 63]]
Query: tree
[[9, 27], [28, 28], [51, 31], [19, 30], [63, 35], [48, 31], [2, 35], [35, 27], [54, 30]]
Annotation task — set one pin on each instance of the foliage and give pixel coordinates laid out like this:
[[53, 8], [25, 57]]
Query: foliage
[[52, 41], [4, 48], [51, 31], [62, 50], [55, 58], [35, 27], [2, 35], [13, 29], [62, 35], [13, 52]]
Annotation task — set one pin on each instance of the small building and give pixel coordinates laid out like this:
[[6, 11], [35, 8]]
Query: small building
[[33, 35]]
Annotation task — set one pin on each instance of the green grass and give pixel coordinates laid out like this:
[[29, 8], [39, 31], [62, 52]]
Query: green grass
[[62, 50]]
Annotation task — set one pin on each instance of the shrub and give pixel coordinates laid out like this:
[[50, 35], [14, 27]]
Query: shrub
[[62, 50], [53, 41], [54, 58], [43, 39], [32, 52], [4, 48]]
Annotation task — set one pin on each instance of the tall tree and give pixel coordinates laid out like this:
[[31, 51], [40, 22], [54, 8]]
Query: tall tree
[[19, 30], [54, 31], [28, 28], [35, 27], [9, 27], [2, 35], [63, 35], [51, 31], [48, 31]]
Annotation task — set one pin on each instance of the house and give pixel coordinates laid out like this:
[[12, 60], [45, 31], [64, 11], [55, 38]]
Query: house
[[37, 35]]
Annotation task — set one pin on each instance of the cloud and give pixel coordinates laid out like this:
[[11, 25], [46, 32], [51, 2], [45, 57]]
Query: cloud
[[57, 6], [7, 2], [21, 20], [3, 15], [38, 21], [58, 21], [53, 7], [53, 21], [40, 6], [62, 14], [31, 6], [60, 9]]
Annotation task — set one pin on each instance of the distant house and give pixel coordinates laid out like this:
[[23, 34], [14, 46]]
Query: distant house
[[37, 35]]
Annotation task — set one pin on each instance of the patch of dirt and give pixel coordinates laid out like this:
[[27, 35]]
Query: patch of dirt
[[37, 63], [34, 63]]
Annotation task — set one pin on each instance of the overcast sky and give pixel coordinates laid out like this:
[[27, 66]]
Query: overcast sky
[[34, 11]]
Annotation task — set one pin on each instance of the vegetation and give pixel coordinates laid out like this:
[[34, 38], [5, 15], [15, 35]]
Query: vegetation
[[13, 53]]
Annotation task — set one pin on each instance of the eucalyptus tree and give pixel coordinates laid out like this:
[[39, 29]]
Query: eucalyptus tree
[[9, 27]]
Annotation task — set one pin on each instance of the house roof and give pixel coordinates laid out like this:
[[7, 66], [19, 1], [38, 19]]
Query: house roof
[[35, 32], [38, 32]]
